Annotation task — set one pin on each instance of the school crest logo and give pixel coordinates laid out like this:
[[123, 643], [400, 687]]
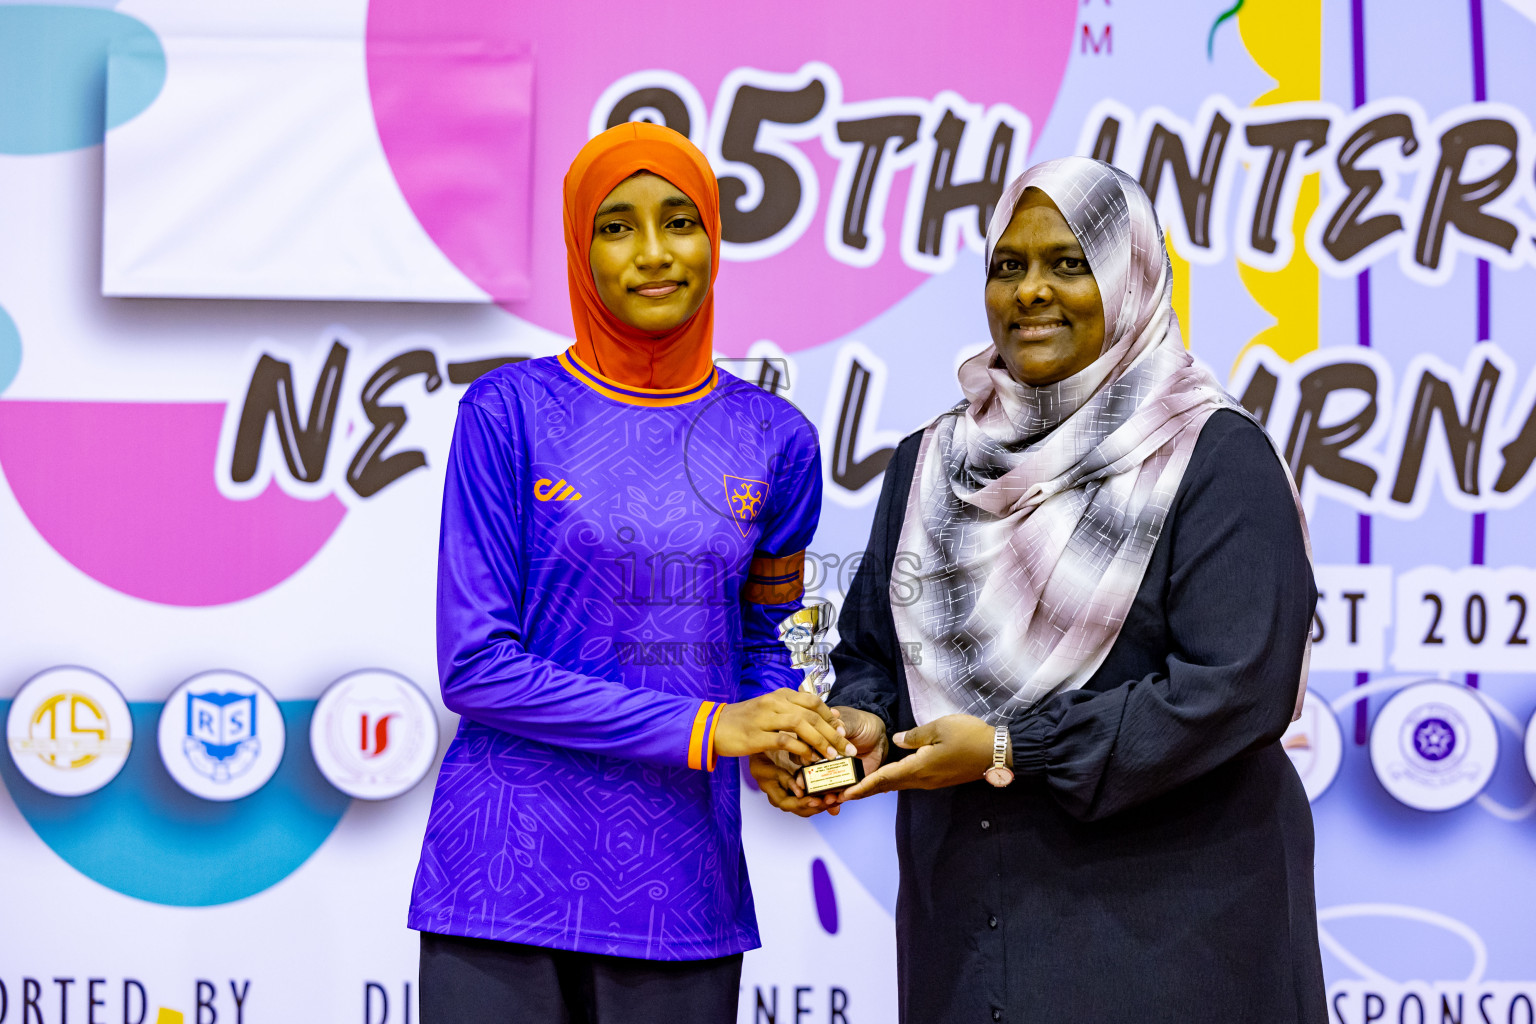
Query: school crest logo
[[374, 734], [1434, 745], [745, 498], [221, 741], [221, 735], [69, 731]]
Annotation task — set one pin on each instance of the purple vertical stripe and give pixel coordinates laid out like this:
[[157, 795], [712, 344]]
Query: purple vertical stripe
[[1363, 308], [1479, 65], [1363, 337], [1479, 532], [1484, 300], [1357, 29], [1362, 713], [1363, 536], [1484, 274]]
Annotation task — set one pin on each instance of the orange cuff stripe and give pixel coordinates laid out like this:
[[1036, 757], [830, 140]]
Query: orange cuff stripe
[[709, 737], [696, 739], [775, 580]]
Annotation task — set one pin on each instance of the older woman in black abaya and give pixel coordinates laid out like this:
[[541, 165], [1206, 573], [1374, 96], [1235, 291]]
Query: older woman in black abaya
[[1097, 822]]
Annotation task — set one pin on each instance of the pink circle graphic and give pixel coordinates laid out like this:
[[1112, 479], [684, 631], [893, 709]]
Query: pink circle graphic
[[463, 89], [125, 492]]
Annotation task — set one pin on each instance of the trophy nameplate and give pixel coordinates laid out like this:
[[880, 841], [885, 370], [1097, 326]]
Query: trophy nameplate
[[804, 633], [831, 775]]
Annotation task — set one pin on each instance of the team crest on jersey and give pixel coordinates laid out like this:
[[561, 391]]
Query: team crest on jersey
[[745, 498]]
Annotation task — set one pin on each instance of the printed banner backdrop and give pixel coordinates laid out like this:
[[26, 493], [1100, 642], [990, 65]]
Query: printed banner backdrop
[[218, 515]]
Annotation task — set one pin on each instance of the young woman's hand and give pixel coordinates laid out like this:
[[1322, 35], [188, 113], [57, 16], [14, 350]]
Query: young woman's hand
[[789, 720], [779, 777], [951, 750]]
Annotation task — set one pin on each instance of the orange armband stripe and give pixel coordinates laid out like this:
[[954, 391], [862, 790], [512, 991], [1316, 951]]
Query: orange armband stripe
[[773, 580]]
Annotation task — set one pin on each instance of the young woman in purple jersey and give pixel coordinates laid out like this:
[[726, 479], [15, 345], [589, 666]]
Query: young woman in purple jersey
[[623, 528]]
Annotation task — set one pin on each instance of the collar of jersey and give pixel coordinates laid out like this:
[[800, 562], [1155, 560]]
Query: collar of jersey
[[630, 395]]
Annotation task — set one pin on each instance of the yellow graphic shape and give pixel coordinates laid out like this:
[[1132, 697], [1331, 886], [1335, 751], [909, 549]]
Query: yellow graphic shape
[[551, 490], [746, 501], [1285, 39], [68, 730], [1180, 268], [170, 1017]]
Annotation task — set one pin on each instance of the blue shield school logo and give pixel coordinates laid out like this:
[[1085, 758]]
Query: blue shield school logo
[[221, 741]]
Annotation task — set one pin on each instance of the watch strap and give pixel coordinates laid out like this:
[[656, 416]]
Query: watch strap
[[999, 774]]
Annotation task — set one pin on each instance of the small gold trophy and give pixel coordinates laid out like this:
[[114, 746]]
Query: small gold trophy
[[804, 633]]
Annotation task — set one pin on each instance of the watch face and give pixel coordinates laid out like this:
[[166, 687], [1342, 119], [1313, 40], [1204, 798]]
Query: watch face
[[999, 776]]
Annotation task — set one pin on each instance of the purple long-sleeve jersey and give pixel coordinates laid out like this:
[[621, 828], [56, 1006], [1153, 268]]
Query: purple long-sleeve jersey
[[597, 552]]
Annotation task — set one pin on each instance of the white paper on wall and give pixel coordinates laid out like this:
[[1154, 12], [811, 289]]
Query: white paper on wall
[[258, 173]]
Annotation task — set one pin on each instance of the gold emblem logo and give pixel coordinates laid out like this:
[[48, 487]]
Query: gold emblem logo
[[68, 730]]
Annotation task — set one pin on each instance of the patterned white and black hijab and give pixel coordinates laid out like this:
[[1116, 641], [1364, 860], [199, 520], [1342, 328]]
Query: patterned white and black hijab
[[1034, 510]]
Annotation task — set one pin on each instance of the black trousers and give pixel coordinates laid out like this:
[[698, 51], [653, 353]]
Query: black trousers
[[477, 981]]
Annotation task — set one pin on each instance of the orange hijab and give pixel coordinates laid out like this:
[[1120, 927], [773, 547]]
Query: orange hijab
[[677, 358]]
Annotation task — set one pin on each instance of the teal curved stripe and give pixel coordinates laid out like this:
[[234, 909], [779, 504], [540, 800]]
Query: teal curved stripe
[[1210, 40], [53, 75], [144, 836], [10, 350]]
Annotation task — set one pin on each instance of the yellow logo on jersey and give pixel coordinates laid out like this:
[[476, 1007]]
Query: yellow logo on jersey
[[554, 490]]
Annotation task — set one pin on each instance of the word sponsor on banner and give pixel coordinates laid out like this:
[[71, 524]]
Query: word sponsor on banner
[[1489, 1002]]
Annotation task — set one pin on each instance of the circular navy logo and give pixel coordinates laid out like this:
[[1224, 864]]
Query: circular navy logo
[[1434, 739], [1434, 745]]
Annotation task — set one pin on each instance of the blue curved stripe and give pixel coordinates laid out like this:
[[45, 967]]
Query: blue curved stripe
[[144, 836]]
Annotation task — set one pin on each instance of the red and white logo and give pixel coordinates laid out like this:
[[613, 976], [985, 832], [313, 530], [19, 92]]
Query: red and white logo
[[374, 734]]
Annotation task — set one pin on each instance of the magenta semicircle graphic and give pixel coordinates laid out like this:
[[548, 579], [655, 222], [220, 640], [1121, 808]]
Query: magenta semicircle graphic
[[125, 492], [444, 77]]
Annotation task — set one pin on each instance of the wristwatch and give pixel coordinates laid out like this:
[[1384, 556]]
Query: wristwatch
[[999, 774]]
